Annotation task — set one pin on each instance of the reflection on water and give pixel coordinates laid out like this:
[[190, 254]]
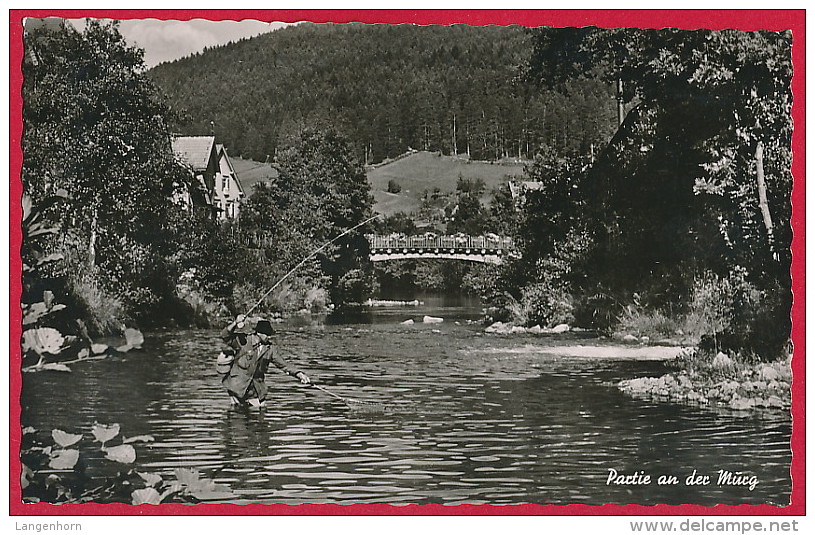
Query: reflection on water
[[469, 418]]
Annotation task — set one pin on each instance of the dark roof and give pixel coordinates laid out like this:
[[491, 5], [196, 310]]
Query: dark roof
[[194, 150]]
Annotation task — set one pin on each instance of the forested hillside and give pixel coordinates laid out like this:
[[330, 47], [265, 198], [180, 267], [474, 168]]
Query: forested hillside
[[387, 88]]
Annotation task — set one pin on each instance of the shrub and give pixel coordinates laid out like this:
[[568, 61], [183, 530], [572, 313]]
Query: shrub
[[204, 307], [53, 471], [316, 299], [542, 304], [548, 304], [102, 312], [355, 286], [756, 323], [640, 321], [289, 297], [712, 301], [393, 186], [244, 296], [597, 310]]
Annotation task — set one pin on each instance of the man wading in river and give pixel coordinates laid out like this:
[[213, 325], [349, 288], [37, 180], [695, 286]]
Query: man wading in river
[[251, 351]]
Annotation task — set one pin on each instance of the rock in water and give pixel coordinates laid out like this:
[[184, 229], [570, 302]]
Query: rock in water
[[431, 319], [495, 327], [562, 328], [630, 339], [407, 322]]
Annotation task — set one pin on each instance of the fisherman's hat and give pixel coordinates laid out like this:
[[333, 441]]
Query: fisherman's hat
[[254, 324]]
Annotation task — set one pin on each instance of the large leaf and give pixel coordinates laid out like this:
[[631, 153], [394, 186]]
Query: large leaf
[[103, 433], [33, 312], [27, 205], [172, 489], [43, 340], [212, 491], [54, 257], [65, 439], [203, 489], [150, 478], [64, 459], [146, 496], [187, 476], [26, 475], [125, 454]]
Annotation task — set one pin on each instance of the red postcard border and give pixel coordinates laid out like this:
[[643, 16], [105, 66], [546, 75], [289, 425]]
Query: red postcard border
[[748, 20]]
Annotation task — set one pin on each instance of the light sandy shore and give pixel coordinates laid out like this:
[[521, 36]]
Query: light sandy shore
[[599, 351]]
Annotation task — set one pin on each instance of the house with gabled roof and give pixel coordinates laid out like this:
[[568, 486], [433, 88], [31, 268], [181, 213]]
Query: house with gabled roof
[[214, 184], [228, 192]]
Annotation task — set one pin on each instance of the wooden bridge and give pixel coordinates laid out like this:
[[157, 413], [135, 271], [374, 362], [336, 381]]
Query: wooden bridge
[[489, 249]]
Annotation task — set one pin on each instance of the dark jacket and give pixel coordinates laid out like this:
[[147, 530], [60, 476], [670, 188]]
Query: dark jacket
[[251, 361]]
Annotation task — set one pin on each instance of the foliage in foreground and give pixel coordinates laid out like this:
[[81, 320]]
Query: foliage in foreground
[[46, 343], [57, 471]]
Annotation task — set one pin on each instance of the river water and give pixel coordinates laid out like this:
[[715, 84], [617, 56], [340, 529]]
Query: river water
[[453, 416]]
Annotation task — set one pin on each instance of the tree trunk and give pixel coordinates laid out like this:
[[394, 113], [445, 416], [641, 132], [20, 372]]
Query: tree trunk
[[92, 240], [455, 146], [762, 194]]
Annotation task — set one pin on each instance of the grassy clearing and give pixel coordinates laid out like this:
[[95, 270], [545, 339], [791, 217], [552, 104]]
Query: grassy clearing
[[391, 203], [414, 173], [427, 170], [251, 172]]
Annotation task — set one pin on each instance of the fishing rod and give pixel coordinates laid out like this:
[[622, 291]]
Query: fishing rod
[[306, 259]]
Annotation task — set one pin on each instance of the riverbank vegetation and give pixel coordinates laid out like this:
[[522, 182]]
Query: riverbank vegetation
[[718, 382], [680, 227], [121, 249]]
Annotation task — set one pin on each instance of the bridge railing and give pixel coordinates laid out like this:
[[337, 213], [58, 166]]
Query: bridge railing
[[458, 242], [491, 242]]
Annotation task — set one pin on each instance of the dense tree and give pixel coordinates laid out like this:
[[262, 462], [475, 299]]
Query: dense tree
[[320, 192], [549, 214], [387, 88], [721, 97], [399, 222], [698, 176], [94, 127]]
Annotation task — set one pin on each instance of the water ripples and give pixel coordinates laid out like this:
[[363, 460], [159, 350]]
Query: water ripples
[[469, 419]]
